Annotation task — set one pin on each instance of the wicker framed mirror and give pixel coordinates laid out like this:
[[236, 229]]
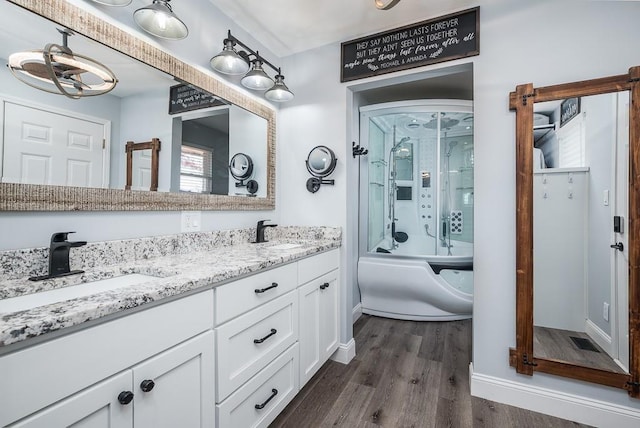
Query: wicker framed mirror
[[34, 197]]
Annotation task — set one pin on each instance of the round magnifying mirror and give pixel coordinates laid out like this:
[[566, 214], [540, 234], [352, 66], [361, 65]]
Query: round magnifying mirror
[[241, 166], [321, 161]]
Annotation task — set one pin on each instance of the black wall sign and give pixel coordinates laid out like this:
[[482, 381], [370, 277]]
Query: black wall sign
[[569, 109], [428, 42], [185, 97]]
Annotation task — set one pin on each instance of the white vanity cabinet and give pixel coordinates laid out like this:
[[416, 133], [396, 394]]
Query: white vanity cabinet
[[232, 356], [261, 343], [83, 379], [319, 316]]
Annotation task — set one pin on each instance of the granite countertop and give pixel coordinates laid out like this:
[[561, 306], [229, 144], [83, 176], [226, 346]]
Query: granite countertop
[[176, 274]]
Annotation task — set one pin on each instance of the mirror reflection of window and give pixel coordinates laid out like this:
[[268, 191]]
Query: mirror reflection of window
[[205, 145], [196, 170]]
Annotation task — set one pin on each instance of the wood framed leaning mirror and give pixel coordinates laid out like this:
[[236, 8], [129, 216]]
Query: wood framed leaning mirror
[[226, 121], [145, 173], [578, 230]]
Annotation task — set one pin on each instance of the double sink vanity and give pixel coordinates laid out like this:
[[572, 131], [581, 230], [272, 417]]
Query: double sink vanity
[[198, 329]]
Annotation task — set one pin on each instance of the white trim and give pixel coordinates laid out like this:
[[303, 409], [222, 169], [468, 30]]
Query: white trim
[[599, 336], [345, 352], [357, 312], [562, 405]]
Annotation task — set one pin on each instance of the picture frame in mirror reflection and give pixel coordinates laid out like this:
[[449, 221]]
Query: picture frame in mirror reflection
[[545, 199], [16, 196]]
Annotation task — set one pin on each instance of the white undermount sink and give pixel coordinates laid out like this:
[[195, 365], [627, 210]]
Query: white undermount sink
[[30, 301], [286, 246]]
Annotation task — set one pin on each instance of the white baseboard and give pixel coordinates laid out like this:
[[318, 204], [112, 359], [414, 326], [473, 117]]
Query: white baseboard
[[357, 312], [567, 406], [345, 352], [598, 335]]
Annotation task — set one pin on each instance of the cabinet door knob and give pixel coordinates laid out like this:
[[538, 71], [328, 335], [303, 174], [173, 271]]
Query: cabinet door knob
[[147, 385], [125, 397], [325, 285]]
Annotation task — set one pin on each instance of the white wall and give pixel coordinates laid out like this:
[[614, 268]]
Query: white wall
[[247, 134], [600, 136], [544, 42], [144, 117], [31, 229]]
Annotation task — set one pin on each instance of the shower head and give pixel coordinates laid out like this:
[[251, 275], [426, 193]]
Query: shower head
[[402, 140], [445, 122], [452, 144]]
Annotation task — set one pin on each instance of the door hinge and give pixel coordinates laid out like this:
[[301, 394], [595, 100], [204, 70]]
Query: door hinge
[[104, 144]]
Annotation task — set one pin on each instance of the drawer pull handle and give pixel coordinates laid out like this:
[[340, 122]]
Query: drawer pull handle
[[325, 285], [274, 392], [147, 385], [262, 290], [125, 397], [273, 331]]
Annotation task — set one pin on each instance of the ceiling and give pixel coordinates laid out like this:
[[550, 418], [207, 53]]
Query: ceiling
[[287, 27]]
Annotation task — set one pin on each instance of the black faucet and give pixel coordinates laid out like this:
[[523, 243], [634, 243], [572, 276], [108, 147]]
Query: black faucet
[[260, 230], [59, 256]]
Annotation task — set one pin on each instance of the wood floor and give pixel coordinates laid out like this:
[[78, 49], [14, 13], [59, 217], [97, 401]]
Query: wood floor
[[405, 374], [557, 344]]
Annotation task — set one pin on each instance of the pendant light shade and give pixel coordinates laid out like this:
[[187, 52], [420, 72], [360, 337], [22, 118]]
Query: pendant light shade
[[229, 61], [159, 20], [113, 2], [279, 91], [56, 69], [257, 79]]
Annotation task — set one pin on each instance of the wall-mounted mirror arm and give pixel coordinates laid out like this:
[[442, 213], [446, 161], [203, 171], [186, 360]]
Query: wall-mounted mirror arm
[[522, 356], [241, 169], [154, 146], [320, 163]]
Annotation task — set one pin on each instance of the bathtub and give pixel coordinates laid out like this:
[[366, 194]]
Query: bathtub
[[420, 288]]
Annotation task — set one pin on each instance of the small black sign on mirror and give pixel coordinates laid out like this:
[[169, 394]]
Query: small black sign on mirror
[[569, 109]]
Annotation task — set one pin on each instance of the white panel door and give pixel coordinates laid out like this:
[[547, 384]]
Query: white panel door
[[141, 179], [175, 388], [329, 321], [310, 352], [95, 407], [42, 147]]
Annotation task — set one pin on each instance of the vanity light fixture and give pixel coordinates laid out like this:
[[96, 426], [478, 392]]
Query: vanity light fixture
[[56, 69], [159, 20], [233, 62]]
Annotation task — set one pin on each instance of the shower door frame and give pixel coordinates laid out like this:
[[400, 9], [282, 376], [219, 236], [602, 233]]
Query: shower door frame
[[411, 106]]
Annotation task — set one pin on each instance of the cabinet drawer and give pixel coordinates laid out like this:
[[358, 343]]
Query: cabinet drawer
[[241, 408], [241, 296], [248, 343], [38, 376], [317, 265]]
